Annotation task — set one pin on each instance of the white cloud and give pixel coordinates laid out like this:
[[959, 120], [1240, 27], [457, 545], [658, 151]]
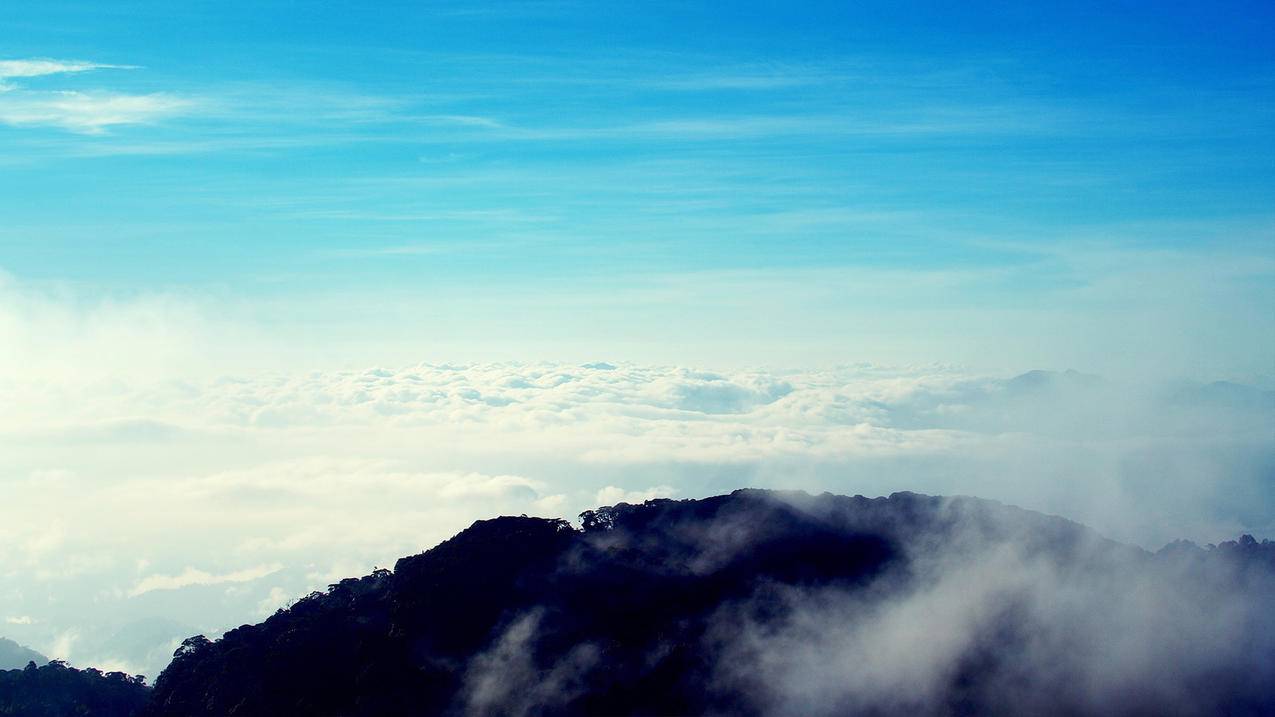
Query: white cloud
[[275, 599], [63, 644], [478, 486], [320, 475], [85, 112], [19, 620], [37, 67], [88, 112], [611, 495], [1119, 622], [192, 576]]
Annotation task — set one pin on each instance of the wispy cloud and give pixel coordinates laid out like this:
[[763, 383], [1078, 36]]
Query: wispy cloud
[[38, 67], [88, 113], [84, 112], [192, 576]]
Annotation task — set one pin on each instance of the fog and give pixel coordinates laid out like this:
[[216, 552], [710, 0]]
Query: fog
[[989, 622]]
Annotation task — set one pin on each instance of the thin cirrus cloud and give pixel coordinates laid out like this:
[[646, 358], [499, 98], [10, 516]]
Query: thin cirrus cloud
[[88, 113], [82, 112], [38, 67]]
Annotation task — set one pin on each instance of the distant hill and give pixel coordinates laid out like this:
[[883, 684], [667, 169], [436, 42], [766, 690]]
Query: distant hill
[[14, 656], [55, 690], [762, 603]]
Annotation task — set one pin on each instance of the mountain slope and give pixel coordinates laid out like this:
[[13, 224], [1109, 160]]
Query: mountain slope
[[14, 656], [762, 603]]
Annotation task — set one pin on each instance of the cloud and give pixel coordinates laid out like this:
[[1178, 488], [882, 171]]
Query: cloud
[[326, 474], [19, 620], [63, 645], [1070, 441], [192, 576], [277, 598], [39, 67], [88, 112], [611, 495], [478, 486], [990, 620], [48, 333], [506, 680], [85, 112]]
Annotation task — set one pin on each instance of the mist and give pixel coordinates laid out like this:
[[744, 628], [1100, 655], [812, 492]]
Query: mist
[[981, 624]]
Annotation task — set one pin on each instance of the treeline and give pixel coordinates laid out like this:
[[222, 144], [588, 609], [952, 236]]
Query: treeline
[[56, 690]]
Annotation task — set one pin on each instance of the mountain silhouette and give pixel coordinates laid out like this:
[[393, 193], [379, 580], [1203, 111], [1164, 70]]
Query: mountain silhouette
[[717, 606], [756, 603], [14, 656], [56, 690]]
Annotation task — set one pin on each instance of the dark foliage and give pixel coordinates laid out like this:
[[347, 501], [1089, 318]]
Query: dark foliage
[[530, 616], [55, 690]]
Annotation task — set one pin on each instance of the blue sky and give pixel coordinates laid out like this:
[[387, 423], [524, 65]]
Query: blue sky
[[997, 184]]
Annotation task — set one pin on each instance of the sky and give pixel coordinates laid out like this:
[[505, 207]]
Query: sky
[[1061, 185], [289, 290]]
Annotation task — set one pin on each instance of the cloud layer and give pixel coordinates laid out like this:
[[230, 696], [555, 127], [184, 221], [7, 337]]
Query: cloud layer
[[199, 502]]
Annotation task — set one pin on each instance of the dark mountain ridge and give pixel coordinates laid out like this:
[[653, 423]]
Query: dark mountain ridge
[[701, 607], [760, 602], [56, 690]]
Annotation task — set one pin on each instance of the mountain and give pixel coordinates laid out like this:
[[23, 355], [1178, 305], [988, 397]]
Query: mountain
[[762, 602], [1038, 381], [55, 690], [14, 656]]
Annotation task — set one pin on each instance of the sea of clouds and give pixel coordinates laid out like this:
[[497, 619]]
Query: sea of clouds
[[140, 512]]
